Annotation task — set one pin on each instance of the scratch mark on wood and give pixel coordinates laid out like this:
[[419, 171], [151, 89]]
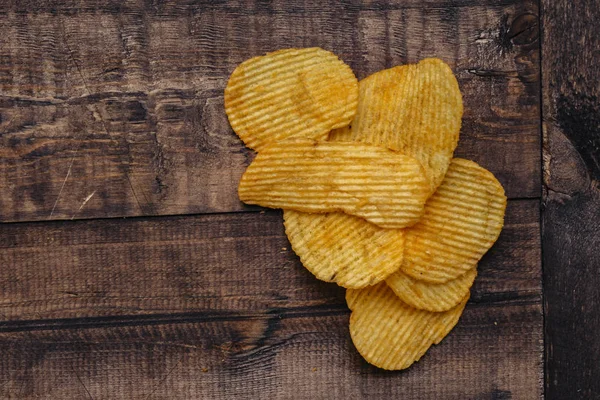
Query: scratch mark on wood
[[172, 344], [102, 121], [84, 203], [77, 67], [133, 191], [159, 384], [62, 187], [83, 384]]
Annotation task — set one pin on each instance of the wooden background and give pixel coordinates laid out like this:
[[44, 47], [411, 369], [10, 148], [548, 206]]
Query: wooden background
[[112, 109], [571, 203]]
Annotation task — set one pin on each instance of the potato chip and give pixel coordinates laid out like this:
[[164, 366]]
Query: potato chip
[[390, 334], [435, 297], [462, 221], [412, 108], [415, 109], [290, 93], [382, 186], [341, 248]]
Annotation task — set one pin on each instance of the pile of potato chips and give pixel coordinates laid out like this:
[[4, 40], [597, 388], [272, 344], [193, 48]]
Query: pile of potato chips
[[373, 199]]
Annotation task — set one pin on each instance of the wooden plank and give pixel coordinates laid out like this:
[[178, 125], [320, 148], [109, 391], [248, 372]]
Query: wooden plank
[[572, 198], [493, 353], [235, 263], [217, 306], [111, 108]]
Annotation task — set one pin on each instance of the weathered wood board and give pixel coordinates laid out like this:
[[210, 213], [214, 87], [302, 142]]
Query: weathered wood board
[[217, 306], [115, 109], [571, 217]]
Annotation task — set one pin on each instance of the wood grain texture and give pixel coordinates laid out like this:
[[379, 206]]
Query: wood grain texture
[[114, 108], [111, 108], [302, 356], [211, 263], [571, 218], [217, 306]]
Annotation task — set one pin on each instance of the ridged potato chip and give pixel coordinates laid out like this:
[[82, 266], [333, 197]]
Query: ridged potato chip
[[435, 297], [462, 221], [382, 186], [415, 109], [290, 93], [344, 249], [390, 334]]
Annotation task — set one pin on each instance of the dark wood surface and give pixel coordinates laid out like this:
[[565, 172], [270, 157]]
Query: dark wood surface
[[115, 109], [571, 217], [217, 306], [111, 109]]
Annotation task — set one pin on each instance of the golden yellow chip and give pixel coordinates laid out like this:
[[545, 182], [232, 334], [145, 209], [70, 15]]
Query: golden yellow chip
[[415, 109], [382, 186], [462, 221], [341, 248], [435, 297], [390, 334], [290, 93]]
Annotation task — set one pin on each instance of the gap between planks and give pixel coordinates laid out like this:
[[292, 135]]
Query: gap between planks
[[513, 298], [252, 210]]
